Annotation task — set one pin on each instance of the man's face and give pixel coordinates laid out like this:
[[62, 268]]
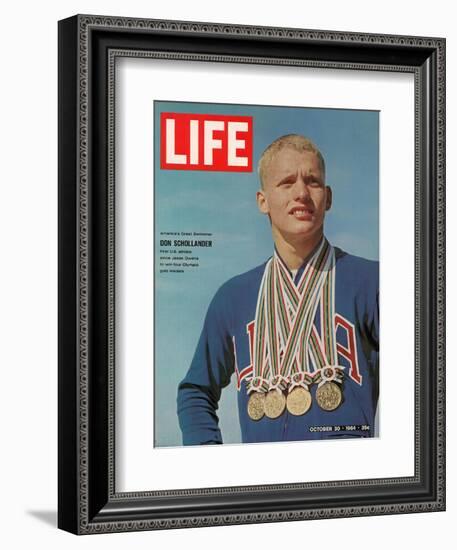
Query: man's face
[[295, 196]]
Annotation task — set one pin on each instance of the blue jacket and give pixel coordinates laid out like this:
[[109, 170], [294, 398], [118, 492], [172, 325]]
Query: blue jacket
[[223, 350]]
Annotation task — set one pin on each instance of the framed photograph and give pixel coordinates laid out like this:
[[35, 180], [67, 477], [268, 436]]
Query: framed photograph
[[251, 274]]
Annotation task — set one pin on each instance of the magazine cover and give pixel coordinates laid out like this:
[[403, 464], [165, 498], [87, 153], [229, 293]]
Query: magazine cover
[[266, 302]]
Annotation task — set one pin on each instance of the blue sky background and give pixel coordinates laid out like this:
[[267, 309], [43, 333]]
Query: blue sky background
[[223, 203]]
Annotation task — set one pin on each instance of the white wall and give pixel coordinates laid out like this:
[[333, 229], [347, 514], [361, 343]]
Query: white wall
[[28, 228]]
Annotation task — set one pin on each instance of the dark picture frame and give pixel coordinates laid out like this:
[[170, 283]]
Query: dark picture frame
[[88, 501]]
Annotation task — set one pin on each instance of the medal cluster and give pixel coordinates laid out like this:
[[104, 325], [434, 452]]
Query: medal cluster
[[296, 397], [289, 354]]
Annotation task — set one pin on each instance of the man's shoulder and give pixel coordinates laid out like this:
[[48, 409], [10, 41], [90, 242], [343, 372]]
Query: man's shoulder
[[356, 266], [248, 277], [245, 281], [346, 259], [237, 294], [239, 285]]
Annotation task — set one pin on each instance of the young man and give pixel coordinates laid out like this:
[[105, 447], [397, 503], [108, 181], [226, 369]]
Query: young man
[[300, 332]]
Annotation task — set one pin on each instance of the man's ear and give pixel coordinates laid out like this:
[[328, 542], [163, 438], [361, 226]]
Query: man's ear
[[262, 202], [328, 202]]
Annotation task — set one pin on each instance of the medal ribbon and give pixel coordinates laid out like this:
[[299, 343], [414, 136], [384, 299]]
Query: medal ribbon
[[259, 382], [325, 357], [284, 319], [303, 302]]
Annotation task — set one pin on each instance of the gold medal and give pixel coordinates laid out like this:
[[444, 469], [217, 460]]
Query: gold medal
[[299, 401], [275, 403], [329, 396], [256, 405]]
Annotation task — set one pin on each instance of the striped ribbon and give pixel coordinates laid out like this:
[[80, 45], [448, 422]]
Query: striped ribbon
[[323, 353], [284, 320], [259, 382]]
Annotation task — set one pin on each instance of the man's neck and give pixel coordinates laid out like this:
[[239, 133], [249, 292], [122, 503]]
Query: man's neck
[[295, 253]]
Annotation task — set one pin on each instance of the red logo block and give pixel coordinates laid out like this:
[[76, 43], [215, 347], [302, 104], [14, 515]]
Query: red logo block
[[220, 143]]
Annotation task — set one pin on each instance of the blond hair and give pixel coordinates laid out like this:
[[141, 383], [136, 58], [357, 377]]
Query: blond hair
[[294, 141]]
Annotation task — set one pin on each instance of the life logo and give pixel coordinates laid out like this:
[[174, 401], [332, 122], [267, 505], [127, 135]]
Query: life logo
[[218, 143]]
